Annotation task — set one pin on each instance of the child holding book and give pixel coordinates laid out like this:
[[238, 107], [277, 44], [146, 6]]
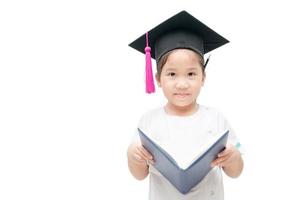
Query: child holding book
[[182, 125]]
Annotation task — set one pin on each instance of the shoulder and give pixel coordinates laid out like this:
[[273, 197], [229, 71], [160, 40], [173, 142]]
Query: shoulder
[[146, 120], [153, 113], [151, 118], [215, 118], [211, 111]]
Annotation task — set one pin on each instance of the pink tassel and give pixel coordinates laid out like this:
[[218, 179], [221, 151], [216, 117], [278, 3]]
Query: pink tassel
[[148, 69]]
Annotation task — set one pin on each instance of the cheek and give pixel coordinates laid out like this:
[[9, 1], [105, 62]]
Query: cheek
[[169, 83], [196, 85], [164, 81], [166, 85]]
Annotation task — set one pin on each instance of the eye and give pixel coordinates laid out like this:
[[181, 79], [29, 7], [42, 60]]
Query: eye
[[191, 74], [171, 74]]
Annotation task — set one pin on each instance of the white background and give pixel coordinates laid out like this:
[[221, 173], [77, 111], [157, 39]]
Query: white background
[[72, 92]]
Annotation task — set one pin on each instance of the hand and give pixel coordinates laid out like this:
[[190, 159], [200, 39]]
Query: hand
[[230, 156], [141, 155]]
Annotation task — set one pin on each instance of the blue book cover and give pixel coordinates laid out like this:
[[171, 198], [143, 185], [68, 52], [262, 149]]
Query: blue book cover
[[183, 179]]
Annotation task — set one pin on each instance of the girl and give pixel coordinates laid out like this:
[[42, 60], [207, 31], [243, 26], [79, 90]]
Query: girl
[[180, 44]]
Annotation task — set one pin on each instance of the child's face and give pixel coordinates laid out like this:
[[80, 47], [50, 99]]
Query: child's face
[[181, 78]]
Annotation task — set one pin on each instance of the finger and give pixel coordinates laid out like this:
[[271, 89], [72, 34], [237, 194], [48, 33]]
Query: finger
[[143, 159], [220, 160], [225, 152], [145, 153], [150, 162], [139, 152], [223, 163], [138, 158], [148, 157]]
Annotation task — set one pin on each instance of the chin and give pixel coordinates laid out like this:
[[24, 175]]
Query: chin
[[182, 104]]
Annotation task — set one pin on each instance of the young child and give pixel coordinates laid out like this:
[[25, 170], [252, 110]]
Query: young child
[[179, 45]]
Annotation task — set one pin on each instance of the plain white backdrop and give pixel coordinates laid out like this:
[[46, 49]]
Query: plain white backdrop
[[72, 92]]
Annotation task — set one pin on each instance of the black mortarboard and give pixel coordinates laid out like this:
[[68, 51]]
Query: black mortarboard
[[180, 31]]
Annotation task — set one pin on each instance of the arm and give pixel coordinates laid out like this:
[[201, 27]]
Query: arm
[[137, 160], [230, 160]]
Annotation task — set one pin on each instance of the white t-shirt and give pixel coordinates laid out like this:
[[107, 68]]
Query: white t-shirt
[[180, 136]]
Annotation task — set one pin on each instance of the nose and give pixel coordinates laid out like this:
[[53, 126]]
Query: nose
[[182, 83]]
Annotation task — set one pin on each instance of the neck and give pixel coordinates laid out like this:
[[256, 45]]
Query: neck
[[181, 110]]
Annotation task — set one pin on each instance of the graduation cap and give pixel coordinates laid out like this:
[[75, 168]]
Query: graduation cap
[[182, 31]]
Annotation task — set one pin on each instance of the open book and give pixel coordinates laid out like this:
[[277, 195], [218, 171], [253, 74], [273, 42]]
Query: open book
[[184, 179]]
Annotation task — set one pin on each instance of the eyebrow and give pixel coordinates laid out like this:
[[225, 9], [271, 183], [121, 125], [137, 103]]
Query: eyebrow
[[189, 69]]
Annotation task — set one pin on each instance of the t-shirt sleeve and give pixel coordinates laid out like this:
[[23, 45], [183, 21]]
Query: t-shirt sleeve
[[135, 137], [140, 125], [232, 139]]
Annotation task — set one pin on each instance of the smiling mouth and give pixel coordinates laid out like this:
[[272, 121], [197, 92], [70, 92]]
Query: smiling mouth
[[181, 94]]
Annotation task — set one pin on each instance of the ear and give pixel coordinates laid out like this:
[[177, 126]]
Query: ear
[[157, 80]]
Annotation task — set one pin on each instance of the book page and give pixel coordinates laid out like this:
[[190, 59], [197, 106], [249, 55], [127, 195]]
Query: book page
[[184, 152]]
